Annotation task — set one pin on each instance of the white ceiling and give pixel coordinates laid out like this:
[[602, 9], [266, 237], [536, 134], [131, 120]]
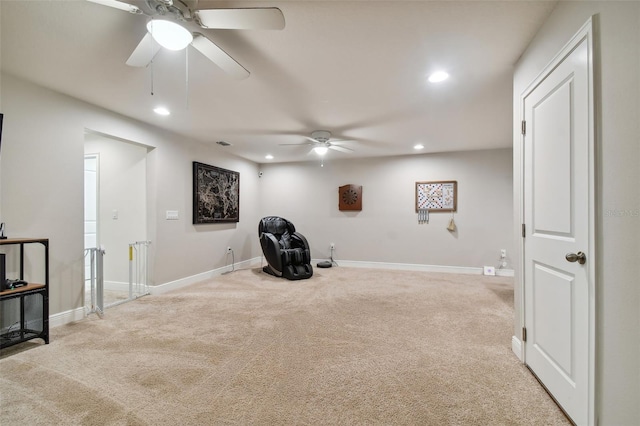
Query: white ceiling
[[357, 69]]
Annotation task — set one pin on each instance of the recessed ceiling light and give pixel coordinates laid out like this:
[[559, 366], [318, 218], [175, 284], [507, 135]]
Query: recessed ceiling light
[[269, 157], [418, 146], [161, 110], [438, 77]]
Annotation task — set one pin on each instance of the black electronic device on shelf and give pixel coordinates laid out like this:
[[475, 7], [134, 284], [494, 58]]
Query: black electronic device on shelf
[[12, 284]]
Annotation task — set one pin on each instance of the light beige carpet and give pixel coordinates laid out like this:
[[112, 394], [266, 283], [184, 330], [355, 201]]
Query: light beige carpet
[[347, 347]]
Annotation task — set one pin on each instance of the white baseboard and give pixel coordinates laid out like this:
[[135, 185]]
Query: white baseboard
[[116, 286], [418, 267], [516, 347], [77, 314], [257, 261], [504, 272], [111, 285], [62, 318], [183, 282]]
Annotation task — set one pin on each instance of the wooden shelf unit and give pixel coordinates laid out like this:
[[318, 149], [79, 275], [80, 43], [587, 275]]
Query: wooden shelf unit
[[22, 334]]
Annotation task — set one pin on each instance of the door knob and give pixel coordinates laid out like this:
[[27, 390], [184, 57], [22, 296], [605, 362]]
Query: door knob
[[580, 257]]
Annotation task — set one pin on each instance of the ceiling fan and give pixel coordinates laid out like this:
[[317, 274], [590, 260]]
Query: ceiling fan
[[174, 24], [320, 142]]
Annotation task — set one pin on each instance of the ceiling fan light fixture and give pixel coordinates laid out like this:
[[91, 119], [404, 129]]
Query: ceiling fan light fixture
[[321, 150], [438, 77], [169, 34], [160, 110]]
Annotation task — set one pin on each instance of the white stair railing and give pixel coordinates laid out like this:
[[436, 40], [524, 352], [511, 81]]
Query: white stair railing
[[138, 269], [96, 278]]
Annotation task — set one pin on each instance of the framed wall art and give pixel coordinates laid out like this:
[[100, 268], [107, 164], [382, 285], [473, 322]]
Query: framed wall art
[[216, 194], [437, 196]]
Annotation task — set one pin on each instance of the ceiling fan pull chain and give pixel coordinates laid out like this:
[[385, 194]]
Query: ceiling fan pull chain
[[151, 70], [186, 77], [151, 63]]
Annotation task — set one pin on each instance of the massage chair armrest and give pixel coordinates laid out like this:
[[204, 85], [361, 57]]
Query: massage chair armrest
[[271, 250], [301, 242]]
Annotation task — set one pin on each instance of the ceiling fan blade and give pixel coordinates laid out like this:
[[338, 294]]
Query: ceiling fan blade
[[340, 148], [119, 5], [340, 141], [296, 144], [144, 52], [311, 140], [219, 57], [264, 18]]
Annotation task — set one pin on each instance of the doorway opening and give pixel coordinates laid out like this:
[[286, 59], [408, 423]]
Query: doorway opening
[[115, 216]]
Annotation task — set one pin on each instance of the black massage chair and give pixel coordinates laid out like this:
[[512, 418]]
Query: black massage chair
[[287, 251]]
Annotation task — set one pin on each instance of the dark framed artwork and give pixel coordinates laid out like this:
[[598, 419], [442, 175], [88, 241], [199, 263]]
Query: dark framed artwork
[[216, 194]]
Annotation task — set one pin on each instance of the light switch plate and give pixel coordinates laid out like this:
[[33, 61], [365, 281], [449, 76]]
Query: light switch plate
[[172, 215]]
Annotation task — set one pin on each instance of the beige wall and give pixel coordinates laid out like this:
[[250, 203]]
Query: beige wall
[[49, 201], [41, 172], [617, 290], [387, 230]]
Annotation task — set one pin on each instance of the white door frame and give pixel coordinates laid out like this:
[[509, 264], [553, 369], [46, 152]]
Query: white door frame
[[585, 33]]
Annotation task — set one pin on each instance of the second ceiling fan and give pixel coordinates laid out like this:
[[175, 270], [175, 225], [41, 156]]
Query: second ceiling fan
[[174, 24], [320, 142]]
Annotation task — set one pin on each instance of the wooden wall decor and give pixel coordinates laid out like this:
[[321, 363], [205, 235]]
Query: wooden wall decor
[[350, 198]]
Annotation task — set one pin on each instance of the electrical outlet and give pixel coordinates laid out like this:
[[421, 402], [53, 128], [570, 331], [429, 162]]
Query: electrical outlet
[[489, 270], [229, 249], [503, 253], [332, 246]]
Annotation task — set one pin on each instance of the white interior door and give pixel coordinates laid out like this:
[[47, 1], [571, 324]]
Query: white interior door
[[557, 210]]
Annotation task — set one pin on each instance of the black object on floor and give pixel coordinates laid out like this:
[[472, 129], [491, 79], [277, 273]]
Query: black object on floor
[[287, 251], [324, 264]]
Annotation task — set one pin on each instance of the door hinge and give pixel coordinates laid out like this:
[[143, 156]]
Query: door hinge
[[524, 231], [524, 334], [524, 127]]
